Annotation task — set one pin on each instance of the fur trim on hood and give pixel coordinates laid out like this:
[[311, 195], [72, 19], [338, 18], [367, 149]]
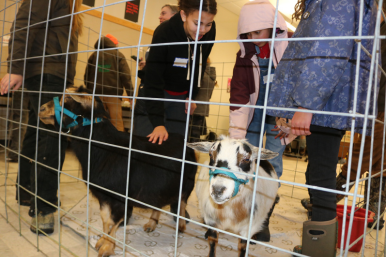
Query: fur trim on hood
[[258, 15]]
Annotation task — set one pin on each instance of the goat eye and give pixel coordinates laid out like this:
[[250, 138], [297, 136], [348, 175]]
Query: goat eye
[[246, 160]]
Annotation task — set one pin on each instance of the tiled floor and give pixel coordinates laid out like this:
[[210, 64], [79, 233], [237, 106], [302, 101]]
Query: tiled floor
[[17, 241]]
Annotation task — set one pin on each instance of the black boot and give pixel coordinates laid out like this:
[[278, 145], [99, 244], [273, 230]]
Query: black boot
[[264, 235], [319, 238]]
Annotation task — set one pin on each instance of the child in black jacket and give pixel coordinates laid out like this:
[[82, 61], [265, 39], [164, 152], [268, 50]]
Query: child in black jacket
[[169, 69]]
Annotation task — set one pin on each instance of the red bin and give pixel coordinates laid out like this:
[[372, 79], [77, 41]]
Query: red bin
[[357, 225]]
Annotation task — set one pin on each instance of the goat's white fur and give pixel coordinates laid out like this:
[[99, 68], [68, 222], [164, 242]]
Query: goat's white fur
[[224, 215]]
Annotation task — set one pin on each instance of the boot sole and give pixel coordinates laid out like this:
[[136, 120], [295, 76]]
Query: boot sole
[[40, 232]]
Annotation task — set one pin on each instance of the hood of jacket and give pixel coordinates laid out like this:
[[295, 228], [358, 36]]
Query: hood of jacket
[[258, 15], [105, 43]]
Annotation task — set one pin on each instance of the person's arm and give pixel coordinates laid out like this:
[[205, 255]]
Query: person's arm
[[125, 75], [18, 39], [213, 77], [240, 94], [87, 75], [155, 83]]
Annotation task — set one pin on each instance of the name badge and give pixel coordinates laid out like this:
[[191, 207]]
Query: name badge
[[180, 62], [265, 78]]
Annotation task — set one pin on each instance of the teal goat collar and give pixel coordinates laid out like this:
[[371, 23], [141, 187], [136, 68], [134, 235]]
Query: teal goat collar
[[58, 110], [237, 181]]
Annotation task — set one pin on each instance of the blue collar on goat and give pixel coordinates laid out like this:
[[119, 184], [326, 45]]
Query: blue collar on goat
[[58, 110], [237, 181]]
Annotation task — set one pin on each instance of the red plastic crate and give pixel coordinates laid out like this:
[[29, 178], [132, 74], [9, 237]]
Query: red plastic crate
[[357, 225]]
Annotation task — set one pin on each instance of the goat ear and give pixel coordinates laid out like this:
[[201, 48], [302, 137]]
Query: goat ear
[[201, 146], [84, 100], [265, 153]]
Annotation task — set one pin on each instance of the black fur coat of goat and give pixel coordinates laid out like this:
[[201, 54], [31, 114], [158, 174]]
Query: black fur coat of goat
[[152, 180]]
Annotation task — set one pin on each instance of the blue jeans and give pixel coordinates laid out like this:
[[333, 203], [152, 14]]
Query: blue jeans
[[253, 136]]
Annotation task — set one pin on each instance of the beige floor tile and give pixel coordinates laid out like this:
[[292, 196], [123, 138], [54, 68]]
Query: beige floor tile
[[72, 190]]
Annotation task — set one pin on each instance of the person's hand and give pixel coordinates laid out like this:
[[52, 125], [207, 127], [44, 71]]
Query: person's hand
[[10, 82], [141, 63], [281, 133], [193, 107], [159, 134], [301, 122]]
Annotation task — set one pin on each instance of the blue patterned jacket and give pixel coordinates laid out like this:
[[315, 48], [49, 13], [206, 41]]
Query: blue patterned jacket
[[320, 74]]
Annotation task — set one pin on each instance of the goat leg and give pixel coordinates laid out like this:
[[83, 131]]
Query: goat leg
[[107, 249], [105, 213], [242, 247], [153, 221], [213, 240], [182, 222]]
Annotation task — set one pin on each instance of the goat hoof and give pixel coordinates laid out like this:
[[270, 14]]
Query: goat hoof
[[182, 227], [106, 250], [150, 226]]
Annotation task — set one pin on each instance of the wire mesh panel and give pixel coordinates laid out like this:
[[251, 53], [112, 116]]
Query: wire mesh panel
[[98, 123]]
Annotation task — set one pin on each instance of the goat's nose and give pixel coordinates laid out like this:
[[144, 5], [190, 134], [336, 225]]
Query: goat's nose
[[218, 190]]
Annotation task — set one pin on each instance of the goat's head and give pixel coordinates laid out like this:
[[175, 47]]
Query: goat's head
[[76, 100], [235, 155]]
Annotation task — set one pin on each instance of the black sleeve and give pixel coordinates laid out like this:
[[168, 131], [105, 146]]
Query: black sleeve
[[17, 41], [141, 75], [155, 83], [89, 73], [125, 75]]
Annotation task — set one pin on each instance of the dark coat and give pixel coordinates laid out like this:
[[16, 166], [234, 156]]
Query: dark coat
[[162, 70], [113, 71], [57, 40]]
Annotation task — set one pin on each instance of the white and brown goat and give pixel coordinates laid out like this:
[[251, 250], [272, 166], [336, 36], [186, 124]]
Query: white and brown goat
[[230, 202]]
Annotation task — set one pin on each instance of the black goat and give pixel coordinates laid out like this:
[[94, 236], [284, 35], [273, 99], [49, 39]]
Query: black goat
[[153, 180]]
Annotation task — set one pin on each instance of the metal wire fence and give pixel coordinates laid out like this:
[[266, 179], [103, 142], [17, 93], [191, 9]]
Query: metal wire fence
[[216, 122]]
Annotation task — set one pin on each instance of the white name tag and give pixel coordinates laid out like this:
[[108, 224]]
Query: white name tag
[[180, 62], [265, 78]]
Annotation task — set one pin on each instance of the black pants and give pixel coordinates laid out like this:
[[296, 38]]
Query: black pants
[[47, 147], [197, 128], [19, 109], [323, 149]]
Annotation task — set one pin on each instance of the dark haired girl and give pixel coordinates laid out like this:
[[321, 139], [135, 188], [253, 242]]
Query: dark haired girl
[[169, 70]]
